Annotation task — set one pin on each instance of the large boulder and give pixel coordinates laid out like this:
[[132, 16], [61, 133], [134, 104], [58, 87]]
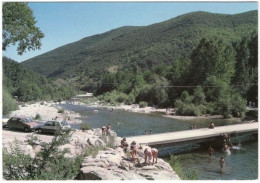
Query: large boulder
[[111, 164]]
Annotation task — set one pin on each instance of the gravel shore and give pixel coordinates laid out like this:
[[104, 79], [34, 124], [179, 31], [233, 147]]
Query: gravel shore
[[47, 111]]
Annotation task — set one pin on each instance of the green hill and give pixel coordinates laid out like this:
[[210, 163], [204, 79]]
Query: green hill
[[90, 58], [27, 85]]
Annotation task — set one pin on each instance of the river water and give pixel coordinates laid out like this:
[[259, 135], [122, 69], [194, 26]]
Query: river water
[[241, 163]]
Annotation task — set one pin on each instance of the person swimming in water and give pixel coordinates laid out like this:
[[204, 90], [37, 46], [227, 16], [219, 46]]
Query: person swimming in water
[[221, 163], [211, 151]]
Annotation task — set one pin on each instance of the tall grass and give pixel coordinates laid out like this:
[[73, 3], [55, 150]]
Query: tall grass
[[177, 167]]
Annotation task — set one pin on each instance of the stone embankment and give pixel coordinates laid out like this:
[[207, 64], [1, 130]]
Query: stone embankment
[[108, 164]]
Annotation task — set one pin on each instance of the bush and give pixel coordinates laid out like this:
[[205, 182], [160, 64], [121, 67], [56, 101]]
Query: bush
[[238, 105], [188, 109], [177, 167], [115, 97], [199, 96], [61, 111], [223, 107], [9, 104], [121, 97], [130, 100], [37, 117], [48, 164], [109, 97], [191, 110], [210, 108], [92, 151], [185, 97], [143, 104], [85, 126]]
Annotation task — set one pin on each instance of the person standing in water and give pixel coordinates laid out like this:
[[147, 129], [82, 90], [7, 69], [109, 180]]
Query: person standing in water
[[211, 151], [229, 141], [221, 163], [225, 146]]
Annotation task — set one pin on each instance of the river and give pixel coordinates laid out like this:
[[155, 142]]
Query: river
[[241, 163]]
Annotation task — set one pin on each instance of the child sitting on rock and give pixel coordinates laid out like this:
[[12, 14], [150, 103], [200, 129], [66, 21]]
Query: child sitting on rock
[[123, 143], [127, 152]]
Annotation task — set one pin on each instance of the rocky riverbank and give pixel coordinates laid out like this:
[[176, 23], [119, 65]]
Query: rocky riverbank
[[166, 112], [107, 164], [112, 164], [47, 111]]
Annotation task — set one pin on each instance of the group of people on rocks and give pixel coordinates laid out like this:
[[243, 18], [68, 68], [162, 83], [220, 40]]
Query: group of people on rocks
[[131, 153], [152, 153], [106, 130]]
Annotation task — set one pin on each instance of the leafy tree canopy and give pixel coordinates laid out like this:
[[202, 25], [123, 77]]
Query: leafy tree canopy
[[19, 27]]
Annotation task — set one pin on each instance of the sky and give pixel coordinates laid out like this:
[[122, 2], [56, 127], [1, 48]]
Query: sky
[[64, 22]]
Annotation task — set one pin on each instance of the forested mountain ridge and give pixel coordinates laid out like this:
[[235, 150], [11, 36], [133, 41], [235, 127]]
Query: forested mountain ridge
[[146, 46]]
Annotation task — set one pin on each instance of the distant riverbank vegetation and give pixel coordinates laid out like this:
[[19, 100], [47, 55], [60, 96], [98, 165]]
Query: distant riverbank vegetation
[[23, 85], [218, 78]]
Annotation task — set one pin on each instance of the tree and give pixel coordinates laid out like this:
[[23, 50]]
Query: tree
[[216, 90], [252, 94], [213, 57], [199, 96], [242, 74], [19, 27]]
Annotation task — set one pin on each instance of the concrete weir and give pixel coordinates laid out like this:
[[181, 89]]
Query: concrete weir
[[194, 136]]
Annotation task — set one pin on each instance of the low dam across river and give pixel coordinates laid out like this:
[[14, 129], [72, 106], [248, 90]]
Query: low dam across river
[[194, 136]]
